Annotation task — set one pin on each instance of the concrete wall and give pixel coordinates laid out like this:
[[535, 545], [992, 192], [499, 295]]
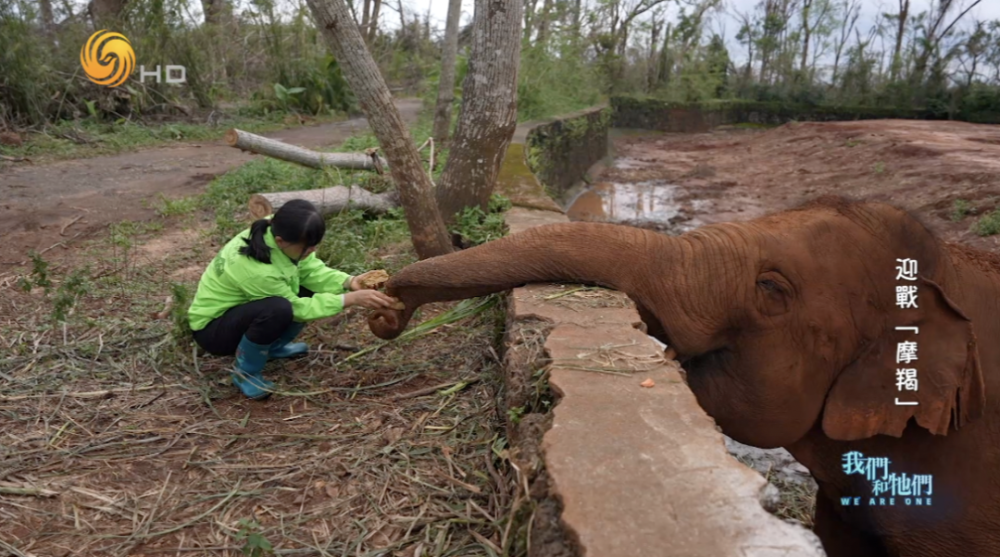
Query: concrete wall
[[655, 114], [609, 467], [560, 151]]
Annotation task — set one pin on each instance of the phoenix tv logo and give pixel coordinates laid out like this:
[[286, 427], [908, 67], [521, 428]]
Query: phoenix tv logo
[[914, 490], [108, 59]]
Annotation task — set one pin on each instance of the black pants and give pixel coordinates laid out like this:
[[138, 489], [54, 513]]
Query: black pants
[[262, 321]]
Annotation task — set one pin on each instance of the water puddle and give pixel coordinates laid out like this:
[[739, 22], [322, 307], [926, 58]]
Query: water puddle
[[651, 201]]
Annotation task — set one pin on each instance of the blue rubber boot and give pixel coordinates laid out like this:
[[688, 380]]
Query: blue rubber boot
[[284, 347], [247, 376]]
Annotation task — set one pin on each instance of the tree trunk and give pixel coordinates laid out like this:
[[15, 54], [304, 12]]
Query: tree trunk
[[652, 68], [543, 22], [247, 141], [327, 200], [373, 22], [365, 12], [446, 85], [489, 109], [105, 12], [215, 11], [48, 20], [897, 60], [806, 31], [430, 237]]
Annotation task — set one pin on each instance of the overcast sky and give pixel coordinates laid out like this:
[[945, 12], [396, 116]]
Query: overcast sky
[[724, 23]]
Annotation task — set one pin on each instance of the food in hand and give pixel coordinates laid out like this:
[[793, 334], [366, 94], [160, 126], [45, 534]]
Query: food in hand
[[373, 280]]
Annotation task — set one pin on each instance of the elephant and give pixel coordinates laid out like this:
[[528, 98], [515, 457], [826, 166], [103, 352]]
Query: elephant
[[788, 328]]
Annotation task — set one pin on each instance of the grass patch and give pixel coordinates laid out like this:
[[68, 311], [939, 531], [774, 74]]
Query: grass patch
[[988, 224], [960, 210], [89, 138]]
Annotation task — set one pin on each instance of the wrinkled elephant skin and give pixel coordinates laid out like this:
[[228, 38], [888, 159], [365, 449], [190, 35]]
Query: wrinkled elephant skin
[[787, 328]]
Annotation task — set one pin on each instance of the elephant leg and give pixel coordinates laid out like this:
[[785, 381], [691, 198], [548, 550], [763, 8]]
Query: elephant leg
[[841, 539]]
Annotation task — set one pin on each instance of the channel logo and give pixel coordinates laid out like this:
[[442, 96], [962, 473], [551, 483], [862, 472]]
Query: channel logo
[[107, 58]]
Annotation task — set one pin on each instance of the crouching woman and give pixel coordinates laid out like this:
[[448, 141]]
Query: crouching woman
[[262, 288]]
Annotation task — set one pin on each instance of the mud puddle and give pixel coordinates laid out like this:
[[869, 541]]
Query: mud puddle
[[650, 204]]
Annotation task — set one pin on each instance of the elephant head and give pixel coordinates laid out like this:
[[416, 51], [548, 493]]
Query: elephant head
[[781, 323]]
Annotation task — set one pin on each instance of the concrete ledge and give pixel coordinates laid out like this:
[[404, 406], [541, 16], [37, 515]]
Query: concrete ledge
[[616, 469]]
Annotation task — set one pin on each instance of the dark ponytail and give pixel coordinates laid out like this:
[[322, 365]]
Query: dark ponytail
[[256, 247], [297, 221]]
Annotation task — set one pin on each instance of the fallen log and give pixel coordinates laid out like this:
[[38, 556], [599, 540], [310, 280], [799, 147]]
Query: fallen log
[[327, 200], [247, 141]]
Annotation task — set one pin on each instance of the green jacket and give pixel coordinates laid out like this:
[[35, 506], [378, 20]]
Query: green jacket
[[234, 279]]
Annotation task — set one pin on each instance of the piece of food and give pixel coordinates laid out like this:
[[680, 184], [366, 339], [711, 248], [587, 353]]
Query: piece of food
[[398, 306], [648, 383], [373, 279]]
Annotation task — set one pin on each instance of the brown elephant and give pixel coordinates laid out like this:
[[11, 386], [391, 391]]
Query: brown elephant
[[787, 328]]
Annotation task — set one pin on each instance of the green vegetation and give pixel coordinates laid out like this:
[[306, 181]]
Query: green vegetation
[[92, 137], [988, 224], [961, 209]]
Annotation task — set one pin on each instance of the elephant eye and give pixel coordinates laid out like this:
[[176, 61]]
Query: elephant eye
[[769, 285]]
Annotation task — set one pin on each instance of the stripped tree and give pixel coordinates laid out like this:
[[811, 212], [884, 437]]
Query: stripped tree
[[416, 191]]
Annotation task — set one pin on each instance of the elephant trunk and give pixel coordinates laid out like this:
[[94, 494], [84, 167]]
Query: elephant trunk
[[598, 254]]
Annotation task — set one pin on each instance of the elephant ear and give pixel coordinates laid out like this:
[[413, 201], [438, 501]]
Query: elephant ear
[[950, 389]]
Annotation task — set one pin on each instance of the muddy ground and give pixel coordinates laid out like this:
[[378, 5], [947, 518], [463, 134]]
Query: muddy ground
[[738, 174], [67, 201]]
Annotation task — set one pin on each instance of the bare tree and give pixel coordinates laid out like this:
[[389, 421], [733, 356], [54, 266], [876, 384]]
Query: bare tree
[[897, 58], [811, 22], [489, 109], [373, 21], [543, 22], [416, 191], [933, 34], [852, 10], [446, 85]]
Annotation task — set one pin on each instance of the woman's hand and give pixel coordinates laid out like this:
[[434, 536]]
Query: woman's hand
[[371, 299]]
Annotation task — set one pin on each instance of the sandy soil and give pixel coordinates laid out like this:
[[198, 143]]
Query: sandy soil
[[691, 180], [41, 205]]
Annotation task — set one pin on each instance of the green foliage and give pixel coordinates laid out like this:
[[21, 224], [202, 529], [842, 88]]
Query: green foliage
[[254, 543], [476, 227], [176, 207], [181, 328], [550, 84], [988, 224], [72, 289], [353, 239], [39, 274], [960, 210]]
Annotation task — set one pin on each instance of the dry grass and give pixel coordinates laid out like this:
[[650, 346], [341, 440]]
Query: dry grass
[[115, 441]]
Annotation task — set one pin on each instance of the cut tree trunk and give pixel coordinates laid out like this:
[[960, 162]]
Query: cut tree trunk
[[446, 86], [291, 153], [489, 109], [416, 191], [328, 200]]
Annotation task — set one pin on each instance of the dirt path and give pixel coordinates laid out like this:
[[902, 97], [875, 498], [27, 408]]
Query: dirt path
[[37, 202], [688, 180]]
